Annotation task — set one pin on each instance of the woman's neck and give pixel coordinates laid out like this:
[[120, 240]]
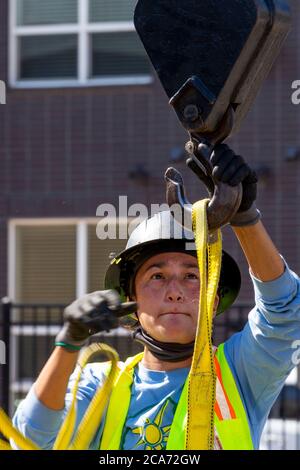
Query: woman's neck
[[153, 363]]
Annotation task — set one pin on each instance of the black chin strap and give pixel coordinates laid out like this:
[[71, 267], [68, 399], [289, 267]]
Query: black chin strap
[[168, 352]]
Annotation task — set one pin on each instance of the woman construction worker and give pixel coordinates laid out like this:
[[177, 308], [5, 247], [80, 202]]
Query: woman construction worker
[[147, 408]]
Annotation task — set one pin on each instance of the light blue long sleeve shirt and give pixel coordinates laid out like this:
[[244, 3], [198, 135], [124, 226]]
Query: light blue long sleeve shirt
[[260, 357]]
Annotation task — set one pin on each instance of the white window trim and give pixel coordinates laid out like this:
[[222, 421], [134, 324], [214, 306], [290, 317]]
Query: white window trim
[[11, 261], [81, 258], [82, 29], [82, 26]]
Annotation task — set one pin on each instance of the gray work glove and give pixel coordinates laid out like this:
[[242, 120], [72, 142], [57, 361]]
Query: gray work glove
[[90, 314], [232, 169]]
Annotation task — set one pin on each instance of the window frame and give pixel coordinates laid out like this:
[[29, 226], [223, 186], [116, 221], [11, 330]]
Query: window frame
[[82, 247], [81, 259], [83, 29]]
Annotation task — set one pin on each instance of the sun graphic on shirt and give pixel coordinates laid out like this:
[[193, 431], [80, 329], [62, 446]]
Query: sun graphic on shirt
[[152, 434]]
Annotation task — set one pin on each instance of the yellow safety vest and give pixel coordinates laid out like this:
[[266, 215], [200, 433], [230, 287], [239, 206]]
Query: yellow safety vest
[[232, 430]]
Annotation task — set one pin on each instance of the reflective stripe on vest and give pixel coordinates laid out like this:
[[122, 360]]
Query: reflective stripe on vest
[[232, 430]]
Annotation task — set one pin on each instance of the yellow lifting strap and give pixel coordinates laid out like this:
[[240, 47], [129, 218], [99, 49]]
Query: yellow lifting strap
[[8, 431], [92, 418], [202, 376], [89, 423]]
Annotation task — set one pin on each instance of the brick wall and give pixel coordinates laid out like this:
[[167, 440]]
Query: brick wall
[[63, 152]]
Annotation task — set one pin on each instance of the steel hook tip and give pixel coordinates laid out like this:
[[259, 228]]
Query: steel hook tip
[[176, 198], [223, 204]]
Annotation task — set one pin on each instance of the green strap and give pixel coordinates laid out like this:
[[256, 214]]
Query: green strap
[[68, 347]]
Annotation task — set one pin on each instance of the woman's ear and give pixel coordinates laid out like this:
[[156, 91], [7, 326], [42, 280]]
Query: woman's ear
[[132, 298], [131, 321]]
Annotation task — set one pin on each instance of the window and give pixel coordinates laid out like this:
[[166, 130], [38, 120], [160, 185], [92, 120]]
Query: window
[[56, 261], [75, 42], [45, 264]]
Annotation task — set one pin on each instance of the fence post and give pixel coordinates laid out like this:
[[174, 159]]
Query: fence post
[[6, 305]]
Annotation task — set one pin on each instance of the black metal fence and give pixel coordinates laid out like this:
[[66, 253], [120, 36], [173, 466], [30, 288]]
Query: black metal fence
[[27, 335]]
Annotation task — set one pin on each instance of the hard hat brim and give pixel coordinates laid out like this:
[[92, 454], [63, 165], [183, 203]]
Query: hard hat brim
[[124, 267]]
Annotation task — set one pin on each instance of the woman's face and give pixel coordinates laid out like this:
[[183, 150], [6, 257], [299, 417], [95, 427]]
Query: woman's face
[[167, 291]]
